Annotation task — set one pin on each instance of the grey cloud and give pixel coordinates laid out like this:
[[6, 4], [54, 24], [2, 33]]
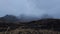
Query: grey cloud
[[30, 7]]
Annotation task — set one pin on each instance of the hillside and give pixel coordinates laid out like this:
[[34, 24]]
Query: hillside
[[49, 24]]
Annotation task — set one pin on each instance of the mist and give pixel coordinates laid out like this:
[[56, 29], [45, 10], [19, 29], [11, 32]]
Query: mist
[[30, 8]]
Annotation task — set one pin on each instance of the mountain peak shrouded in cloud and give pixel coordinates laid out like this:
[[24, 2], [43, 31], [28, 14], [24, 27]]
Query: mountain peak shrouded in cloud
[[23, 18], [35, 8]]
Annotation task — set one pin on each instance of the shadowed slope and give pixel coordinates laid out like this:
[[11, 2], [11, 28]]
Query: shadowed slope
[[53, 24]]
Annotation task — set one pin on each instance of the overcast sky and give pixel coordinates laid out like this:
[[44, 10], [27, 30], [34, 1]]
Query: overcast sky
[[30, 7]]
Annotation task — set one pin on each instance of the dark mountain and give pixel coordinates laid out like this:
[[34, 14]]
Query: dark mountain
[[9, 18], [13, 22]]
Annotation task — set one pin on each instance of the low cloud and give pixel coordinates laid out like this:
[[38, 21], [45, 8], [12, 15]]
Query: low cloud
[[34, 8]]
